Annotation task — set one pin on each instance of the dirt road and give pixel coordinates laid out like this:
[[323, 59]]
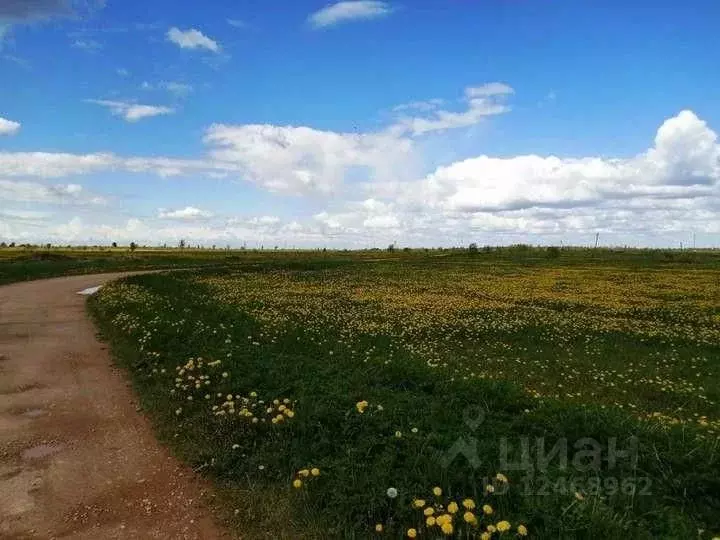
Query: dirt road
[[77, 460]]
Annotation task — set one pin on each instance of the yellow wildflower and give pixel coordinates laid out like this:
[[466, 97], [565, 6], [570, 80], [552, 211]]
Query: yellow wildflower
[[418, 503], [379, 528], [437, 491], [502, 478], [452, 507], [411, 533], [297, 483], [304, 472], [430, 521], [429, 511], [468, 504], [503, 526], [487, 509], [361, 406], [315, 471], [469, 517], [522, 530], [447, 528]]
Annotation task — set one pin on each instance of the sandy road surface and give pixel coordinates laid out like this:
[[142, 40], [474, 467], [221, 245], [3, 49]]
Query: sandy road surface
[[77, 460]]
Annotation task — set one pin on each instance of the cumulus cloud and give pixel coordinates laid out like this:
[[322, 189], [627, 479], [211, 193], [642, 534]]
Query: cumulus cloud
[[302, 159], [189, 213], [132, 112], [684, 162], [341, 12], [192, 39], [659, 194], [8, 127]]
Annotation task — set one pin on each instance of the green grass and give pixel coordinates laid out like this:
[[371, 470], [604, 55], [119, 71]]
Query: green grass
[[436, 338]]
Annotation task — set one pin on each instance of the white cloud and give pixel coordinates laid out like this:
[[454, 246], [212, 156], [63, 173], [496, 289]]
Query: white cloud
[[684, 162], [89, 45], [348, 11], [177, 88], [189, 213], [302, 159], [122, 72], [52, 165], [237, 23], [132, 112], [654, 197], [36, 192], [482, 101], [8, 127], [192, 39]]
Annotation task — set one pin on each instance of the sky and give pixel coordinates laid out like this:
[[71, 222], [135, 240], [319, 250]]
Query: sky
[[360, 123]]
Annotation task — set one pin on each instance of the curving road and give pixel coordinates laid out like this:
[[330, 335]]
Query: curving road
[[77, 459]]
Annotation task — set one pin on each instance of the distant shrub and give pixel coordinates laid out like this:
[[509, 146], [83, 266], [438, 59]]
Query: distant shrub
[[553, 252]]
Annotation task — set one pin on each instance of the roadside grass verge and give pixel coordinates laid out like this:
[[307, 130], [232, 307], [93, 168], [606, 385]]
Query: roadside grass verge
[[373, 419]]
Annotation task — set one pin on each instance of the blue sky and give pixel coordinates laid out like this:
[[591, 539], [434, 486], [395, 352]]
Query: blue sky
[[358, 123]]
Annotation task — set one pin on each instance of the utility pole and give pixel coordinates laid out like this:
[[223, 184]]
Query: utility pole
[[597, 238]]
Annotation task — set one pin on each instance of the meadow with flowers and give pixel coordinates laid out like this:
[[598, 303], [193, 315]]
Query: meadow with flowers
[[497, 394]]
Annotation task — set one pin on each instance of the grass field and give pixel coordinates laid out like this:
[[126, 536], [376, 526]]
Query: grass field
[[571, 394]]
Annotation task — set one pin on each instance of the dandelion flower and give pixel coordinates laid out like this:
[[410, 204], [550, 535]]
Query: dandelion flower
[[379, 528], [485, 536], [447, 528], [297, 483], [304, 472], [468, 504], [502, 478], [430, 521], [503, 526], [361, 406], [469, 517], [398, 434], [429, 511], [490, 488], [522, 530], [437, 491], [452, 507], [487, 509], [225, 375], [315, 471], [392, 492], [411, 533]]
